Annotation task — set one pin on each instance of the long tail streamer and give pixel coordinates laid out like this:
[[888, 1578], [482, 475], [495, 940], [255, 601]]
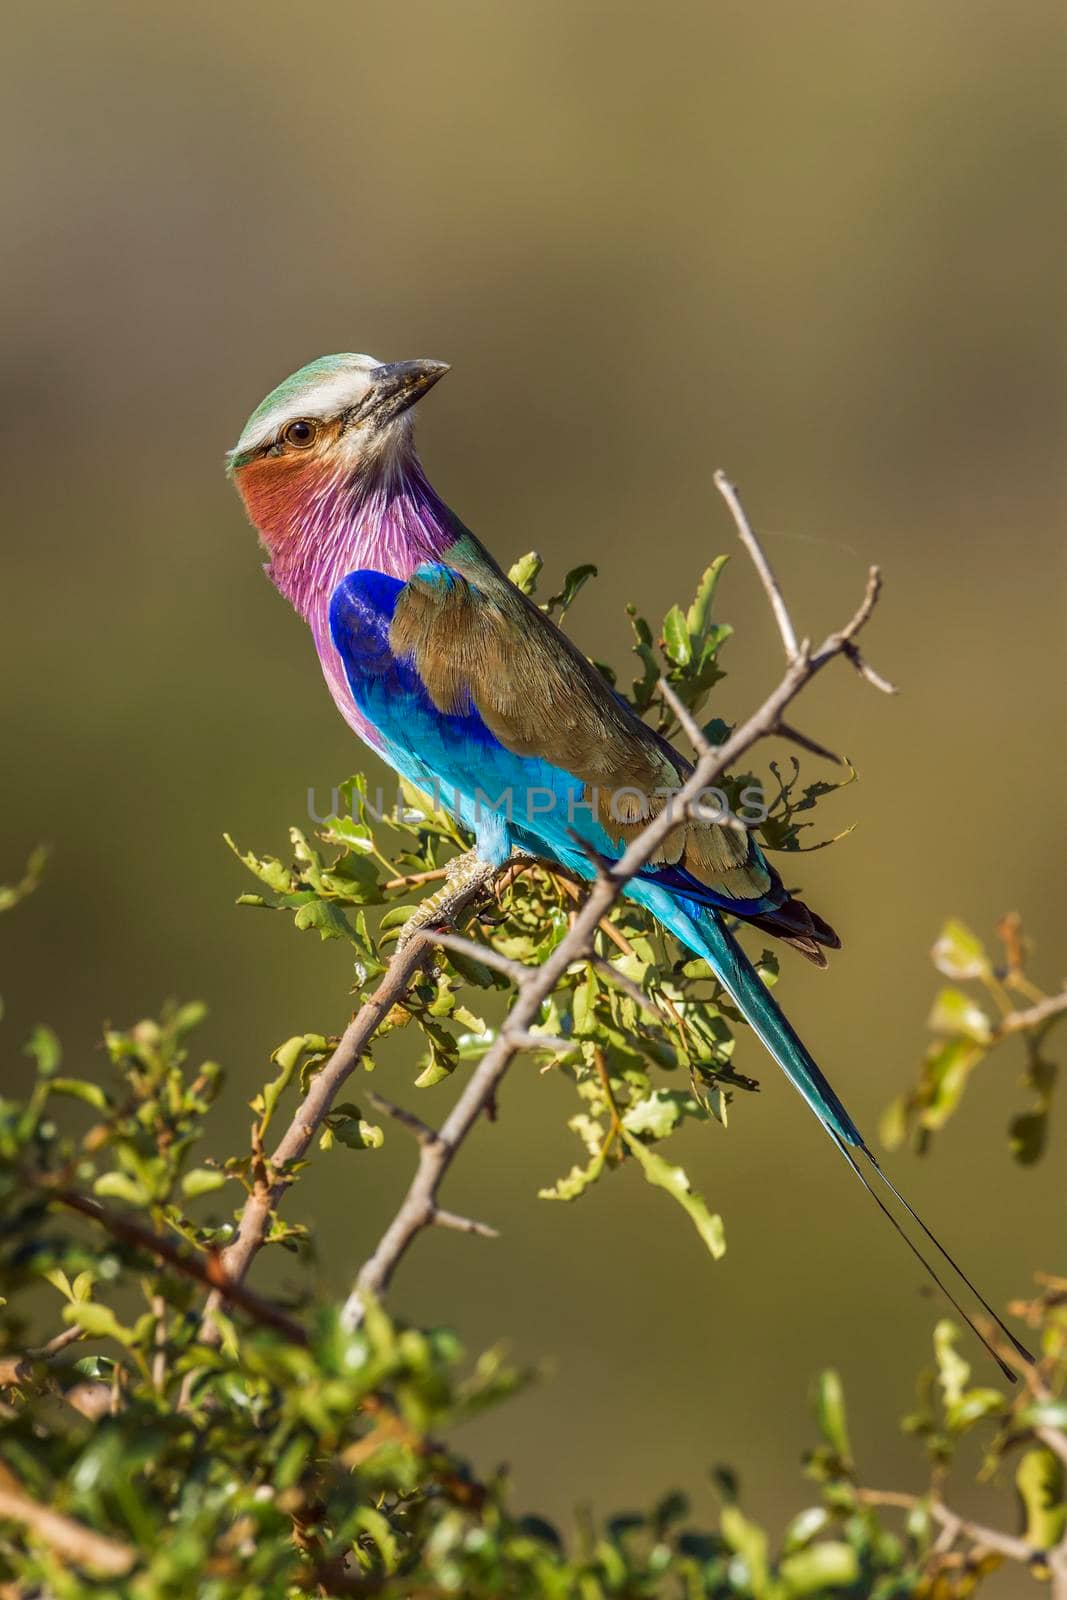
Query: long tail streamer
[[707, 935]]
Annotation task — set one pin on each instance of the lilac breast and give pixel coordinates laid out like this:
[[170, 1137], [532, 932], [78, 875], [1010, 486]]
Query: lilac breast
[[391, 525]]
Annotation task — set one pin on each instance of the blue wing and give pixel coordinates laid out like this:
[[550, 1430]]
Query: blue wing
[[505, 798]]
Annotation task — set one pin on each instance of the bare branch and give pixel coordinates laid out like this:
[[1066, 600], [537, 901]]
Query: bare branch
[[628, 986], [844, 641], [762, 565], [689, 724], [523, 1039], [414, 880], [865, 670], [1053, 1440], [1035, 1016], [58, 1342], [452, 1219]]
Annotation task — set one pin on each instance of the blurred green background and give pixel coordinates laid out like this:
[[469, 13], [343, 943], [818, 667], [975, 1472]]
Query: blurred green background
[[820, 245]]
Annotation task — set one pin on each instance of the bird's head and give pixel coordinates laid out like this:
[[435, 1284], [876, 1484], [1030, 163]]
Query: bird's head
[[340, 421]]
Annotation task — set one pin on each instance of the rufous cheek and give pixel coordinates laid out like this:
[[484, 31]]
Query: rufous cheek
[[271, 487]]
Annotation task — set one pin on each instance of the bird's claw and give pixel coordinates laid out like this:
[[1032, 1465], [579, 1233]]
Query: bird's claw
[[438, 910]]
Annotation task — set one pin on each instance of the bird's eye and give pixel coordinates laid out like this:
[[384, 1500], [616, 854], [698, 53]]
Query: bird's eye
[[300, 434]]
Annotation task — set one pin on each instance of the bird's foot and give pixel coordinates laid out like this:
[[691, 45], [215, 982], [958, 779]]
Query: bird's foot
[[464, 875]]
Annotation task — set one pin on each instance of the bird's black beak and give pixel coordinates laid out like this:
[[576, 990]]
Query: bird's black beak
[[395, 386]]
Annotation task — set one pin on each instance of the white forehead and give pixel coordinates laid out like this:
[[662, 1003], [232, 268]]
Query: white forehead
[[321, 390]]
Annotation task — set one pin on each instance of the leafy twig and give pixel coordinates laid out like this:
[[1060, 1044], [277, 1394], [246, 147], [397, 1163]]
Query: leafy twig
[[273, 1180], [1005, 1544], [75, 1543], [207, 1269]]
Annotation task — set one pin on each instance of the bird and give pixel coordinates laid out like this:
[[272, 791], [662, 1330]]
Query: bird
[[463, 685]]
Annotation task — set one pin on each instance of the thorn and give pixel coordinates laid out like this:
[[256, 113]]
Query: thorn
[[787, 731], [452, 1219], [865, 670], [420, 1131]]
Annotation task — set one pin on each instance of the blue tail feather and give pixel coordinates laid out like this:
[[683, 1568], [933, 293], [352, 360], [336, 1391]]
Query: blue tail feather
[[705, 933]]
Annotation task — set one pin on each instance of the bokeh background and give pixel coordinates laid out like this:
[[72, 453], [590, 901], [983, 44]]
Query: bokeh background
[[821, 245]]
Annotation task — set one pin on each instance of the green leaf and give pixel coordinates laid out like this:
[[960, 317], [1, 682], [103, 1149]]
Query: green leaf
[[325, 918], [750, 1543], [971, 1407], [354, 877], [119, 1186], [674, 1179], [91, 1093], [959, 953], [287, 1056], [945, 1073], [673, 1507], [1042, 1485], [377, 1527], [186, 1018], [698, 617], [357, 1134], [578, 1179], [893, 1123], [443, 1058], [572, 585], [820, 1570], [583, 1005], [1028, 1136], [98, 1321], [954, 1012], [525, 572], [717, 731], [952, 1370], [201, 1180], [266, 869], [654, 1116], [676, 641], [831, 1415], [645, 686], [11, 894], [805, 1526], [45, 1049], [436, 1072]]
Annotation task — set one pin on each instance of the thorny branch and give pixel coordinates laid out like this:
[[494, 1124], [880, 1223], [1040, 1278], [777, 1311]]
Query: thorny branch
[[980, 1538], [271, 1177], [209, 1269]]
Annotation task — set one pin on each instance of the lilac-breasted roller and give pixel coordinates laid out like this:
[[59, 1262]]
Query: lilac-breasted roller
[[465, 687]]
